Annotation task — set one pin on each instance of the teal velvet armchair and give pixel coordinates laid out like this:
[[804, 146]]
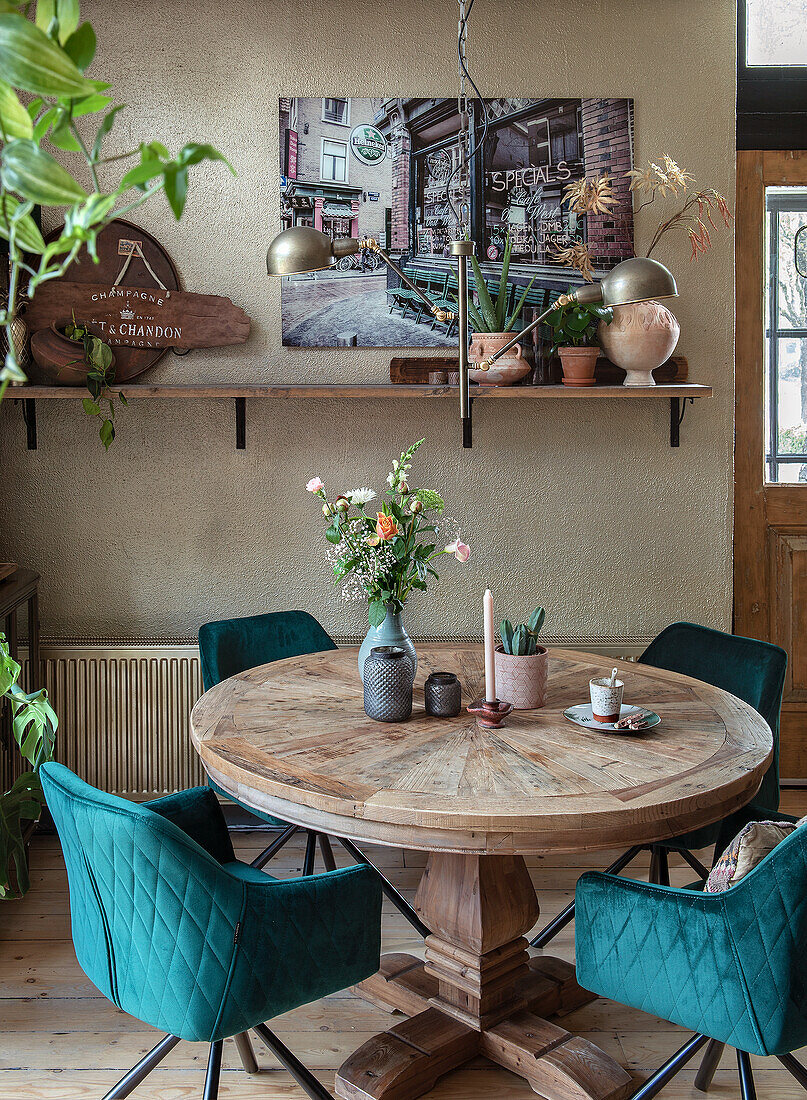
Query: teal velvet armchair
[[230, 646], [177, 932], [754, 671], [731, 967]]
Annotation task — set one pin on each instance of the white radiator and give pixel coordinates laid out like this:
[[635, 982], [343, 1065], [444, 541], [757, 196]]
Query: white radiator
[[124, 709]]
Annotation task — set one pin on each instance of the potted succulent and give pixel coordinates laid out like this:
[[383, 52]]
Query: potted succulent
[[521, 663], [493, 326], [33, 723], [574, 338]]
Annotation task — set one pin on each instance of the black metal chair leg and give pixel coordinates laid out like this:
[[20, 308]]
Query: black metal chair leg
[[400, 902], [654, 1085], [695, 864], [747, 1090], [304, 1078], [143, 1068], [564, 917], [274, 847], [310, 853], [567, 914], [795, 1068], [213, 1075], [246, 1053], [327, 852], [709, 1063], [659, 866]]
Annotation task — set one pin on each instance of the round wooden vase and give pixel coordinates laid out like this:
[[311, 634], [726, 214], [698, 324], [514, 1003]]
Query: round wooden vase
[[61, 360], [521, 681], [640, 338], [512, 366], [578, 365]]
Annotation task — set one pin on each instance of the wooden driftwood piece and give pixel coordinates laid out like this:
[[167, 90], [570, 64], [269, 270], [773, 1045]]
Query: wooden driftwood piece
[[141, 316]]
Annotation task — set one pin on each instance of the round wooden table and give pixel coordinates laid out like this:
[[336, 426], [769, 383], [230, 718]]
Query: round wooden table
[[291, 738]]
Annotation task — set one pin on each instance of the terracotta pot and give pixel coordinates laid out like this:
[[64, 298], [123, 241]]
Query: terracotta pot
[[60, 360], [578, 365], [521, 681], [512, 366], [640, 338]]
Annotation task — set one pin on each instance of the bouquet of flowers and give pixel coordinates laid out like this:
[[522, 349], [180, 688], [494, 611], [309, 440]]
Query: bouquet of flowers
[[386, 554]]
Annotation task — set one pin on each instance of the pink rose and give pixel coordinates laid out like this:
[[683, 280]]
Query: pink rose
[[315, 485], [460, 550]]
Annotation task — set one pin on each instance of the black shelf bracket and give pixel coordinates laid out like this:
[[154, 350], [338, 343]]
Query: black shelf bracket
[[240, 423], [677, 409], [29, 416]]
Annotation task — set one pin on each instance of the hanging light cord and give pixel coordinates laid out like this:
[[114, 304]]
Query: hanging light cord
[[466, 7]]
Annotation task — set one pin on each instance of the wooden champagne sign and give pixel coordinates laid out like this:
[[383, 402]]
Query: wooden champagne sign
[[132, 300], [141, 316]]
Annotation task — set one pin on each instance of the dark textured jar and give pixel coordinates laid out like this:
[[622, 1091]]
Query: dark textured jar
[[388, 677], [443, 695]]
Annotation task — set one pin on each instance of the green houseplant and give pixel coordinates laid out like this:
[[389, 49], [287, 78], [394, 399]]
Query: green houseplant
[[521, 663], [493, 325], [573, 331], [71, 114], [33, 724]]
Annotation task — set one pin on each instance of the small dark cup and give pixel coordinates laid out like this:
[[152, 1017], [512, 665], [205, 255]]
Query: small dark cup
[[388, 678], [443, 695]]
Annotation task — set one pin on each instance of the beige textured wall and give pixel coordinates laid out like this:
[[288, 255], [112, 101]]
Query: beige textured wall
[[580, 505]]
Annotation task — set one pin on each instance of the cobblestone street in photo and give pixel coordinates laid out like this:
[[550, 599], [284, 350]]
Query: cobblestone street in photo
[[318, 308]]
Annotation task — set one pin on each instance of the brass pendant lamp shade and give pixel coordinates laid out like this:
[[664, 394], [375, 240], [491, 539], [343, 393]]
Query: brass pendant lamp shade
[[636, 280], [301, 249]]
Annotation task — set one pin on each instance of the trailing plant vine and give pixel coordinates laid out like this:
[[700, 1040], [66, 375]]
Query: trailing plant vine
[[46, 58]]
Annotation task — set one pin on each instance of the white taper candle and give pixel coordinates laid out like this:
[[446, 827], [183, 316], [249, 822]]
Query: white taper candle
[[490, 659]]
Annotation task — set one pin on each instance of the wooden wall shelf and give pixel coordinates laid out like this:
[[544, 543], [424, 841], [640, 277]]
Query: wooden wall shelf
[[677, 393]]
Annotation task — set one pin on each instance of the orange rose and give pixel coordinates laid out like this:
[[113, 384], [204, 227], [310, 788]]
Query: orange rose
[[386, 527]]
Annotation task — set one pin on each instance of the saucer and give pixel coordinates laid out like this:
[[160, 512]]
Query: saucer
[[581, 715]]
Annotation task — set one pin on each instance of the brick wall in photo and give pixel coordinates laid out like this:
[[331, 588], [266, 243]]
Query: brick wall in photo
[[607, 147]]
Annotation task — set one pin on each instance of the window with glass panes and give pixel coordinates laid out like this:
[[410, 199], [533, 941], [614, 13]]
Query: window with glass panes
[[786, 334], [335, 110], [334, 160]]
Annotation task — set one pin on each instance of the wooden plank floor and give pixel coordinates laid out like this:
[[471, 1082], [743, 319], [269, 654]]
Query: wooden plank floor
[[61, 1040]]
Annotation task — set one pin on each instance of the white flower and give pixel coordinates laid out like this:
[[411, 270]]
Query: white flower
[[392, 480], [361, 496]]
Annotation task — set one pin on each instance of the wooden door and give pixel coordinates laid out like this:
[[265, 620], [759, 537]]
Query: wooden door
[[770, 506]]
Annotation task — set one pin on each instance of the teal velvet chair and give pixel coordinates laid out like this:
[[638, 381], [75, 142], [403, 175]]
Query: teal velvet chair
[[754, 671], [731, 967], [230, 646], [177, 932]]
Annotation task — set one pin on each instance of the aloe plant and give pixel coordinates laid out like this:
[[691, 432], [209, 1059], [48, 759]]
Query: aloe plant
[[489, 316], [34, 725], [45, 58], [522, 640]]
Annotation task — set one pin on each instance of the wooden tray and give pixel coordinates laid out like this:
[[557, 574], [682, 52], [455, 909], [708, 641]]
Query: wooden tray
[[409, 371]]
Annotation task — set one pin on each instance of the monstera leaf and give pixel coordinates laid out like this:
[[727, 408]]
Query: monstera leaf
[[20, 806]]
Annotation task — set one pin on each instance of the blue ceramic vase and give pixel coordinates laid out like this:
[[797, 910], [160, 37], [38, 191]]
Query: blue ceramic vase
[[390, 633]]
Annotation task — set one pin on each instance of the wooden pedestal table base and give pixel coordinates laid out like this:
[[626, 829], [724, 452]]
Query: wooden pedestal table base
[[477, 993]]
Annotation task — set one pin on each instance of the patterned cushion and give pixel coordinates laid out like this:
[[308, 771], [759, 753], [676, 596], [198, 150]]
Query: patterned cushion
[[182, 942], [754, 841]]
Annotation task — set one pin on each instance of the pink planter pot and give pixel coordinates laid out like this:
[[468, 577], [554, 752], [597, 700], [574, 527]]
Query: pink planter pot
[[522, 680]]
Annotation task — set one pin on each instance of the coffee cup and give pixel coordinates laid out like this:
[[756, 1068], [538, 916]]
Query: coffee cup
[[606, 698]]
